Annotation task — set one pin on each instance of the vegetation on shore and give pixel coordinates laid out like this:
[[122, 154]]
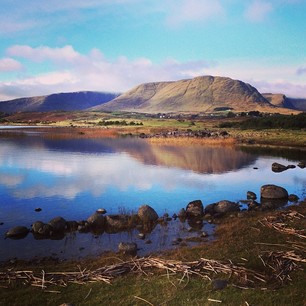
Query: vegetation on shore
[[271, 244]]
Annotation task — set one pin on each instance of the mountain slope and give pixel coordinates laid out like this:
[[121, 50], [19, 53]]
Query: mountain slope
[[195, 95], [61, 101], [281, 100]]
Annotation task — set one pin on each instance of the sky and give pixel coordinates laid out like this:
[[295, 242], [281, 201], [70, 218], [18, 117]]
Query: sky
[[114, 45]]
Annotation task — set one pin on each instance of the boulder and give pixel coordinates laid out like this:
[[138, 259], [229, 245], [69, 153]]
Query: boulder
[[276, 167], [195, 209], [58, 224], [147, 214], [116, 223], [302, 164], [293, 198], [46, 230], [182, 213], [17, 232], [37, 226], [128, 248], [251, 195], [210, 209], [225, 206], [96, 220], [273, 192]]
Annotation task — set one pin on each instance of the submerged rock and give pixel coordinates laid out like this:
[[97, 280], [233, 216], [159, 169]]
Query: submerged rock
[[273, 192], [128, 248]]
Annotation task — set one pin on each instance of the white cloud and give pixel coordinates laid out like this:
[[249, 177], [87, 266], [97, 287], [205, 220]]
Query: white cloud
[[73, 71], [258, 10], [9, 64], [182, 11]]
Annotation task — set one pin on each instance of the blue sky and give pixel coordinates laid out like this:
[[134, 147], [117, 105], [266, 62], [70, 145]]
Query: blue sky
[[114, 45]]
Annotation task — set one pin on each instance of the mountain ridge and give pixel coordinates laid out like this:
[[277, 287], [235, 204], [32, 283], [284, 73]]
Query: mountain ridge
[[59, 101], [200, 94]]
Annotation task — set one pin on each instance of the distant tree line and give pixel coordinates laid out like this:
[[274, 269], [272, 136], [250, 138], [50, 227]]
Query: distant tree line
[[276, 121], [117, 122]]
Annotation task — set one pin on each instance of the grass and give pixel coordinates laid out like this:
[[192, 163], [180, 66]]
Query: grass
[[239, 239]]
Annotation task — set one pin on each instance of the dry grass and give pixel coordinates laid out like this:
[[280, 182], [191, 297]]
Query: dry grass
[[191, 140]]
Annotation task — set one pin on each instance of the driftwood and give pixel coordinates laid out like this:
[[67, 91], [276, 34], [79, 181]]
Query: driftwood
[[201, 268]]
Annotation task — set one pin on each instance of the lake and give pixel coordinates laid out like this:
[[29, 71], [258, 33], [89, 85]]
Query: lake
[[73, 178]]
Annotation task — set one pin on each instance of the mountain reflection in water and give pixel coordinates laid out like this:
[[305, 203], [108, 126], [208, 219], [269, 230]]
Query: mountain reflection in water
[[74, 177]]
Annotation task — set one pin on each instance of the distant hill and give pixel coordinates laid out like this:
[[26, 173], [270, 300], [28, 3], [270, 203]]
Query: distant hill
[[55, 102], [281, 100], [201, 94]]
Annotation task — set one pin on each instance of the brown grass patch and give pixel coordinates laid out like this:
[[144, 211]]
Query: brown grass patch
[[190, 140]]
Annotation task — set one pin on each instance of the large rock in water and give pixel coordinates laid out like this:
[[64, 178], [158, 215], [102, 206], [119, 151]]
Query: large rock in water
[[147, 214], [17, 232], [96, 220], [276, 167], [225, 206], [195, 209], [58, 224], [273, 192]]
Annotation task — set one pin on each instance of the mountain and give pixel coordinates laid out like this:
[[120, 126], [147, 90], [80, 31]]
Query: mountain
[[281, 100], [201, 94], [61, 101]]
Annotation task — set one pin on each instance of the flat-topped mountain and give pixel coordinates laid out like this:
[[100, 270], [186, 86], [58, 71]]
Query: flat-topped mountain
[[55, 102], [201, 94], [281, 100]]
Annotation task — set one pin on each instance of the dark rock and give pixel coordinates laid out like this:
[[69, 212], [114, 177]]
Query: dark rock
[[58, 224], [96, 221], [210, 209], [225, 206], [116, 223], [255, 168], [72, 226], [253, 205], [267, 204], [182, 214], [273, 192], [293, 198], [195, 209], [141, 236], [291, 166], [1, 223], [302, 164], [174, 216], [45, 231], [147, 214], [17, 232], [251, 195], [128, 248], [38, 209], [276, 167], [219, 284], [37, 226], [101, 211]]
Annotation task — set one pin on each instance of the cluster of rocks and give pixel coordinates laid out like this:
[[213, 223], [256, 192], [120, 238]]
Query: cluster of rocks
[[271, 196], [277, 167], [188, 133]]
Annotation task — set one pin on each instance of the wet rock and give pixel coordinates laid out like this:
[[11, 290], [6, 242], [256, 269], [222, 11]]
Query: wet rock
[[17, 232], [293, 198], [141, 236], [101, 211], [276, 167], [251, 195], [38, 209], [45, 231], [128, 248], [291, 166], [37, 226], [182, 214], [116, 223], [96, 220], [72, 225], [302, 164], [58, 224], [225, 206], [268, 204], [273, 192], [210, 209], [195, 209], [147, 214]]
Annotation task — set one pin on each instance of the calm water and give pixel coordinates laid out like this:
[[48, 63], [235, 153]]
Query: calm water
[[72, 178]]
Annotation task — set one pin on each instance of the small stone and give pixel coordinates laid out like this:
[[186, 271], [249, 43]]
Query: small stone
[[101, 211], [38, 209], [204, 234], [219, 284], [141, 236], [128, 248], [1, 223]]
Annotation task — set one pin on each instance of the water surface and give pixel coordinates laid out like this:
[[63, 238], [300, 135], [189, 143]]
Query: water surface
[[74, 177]]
